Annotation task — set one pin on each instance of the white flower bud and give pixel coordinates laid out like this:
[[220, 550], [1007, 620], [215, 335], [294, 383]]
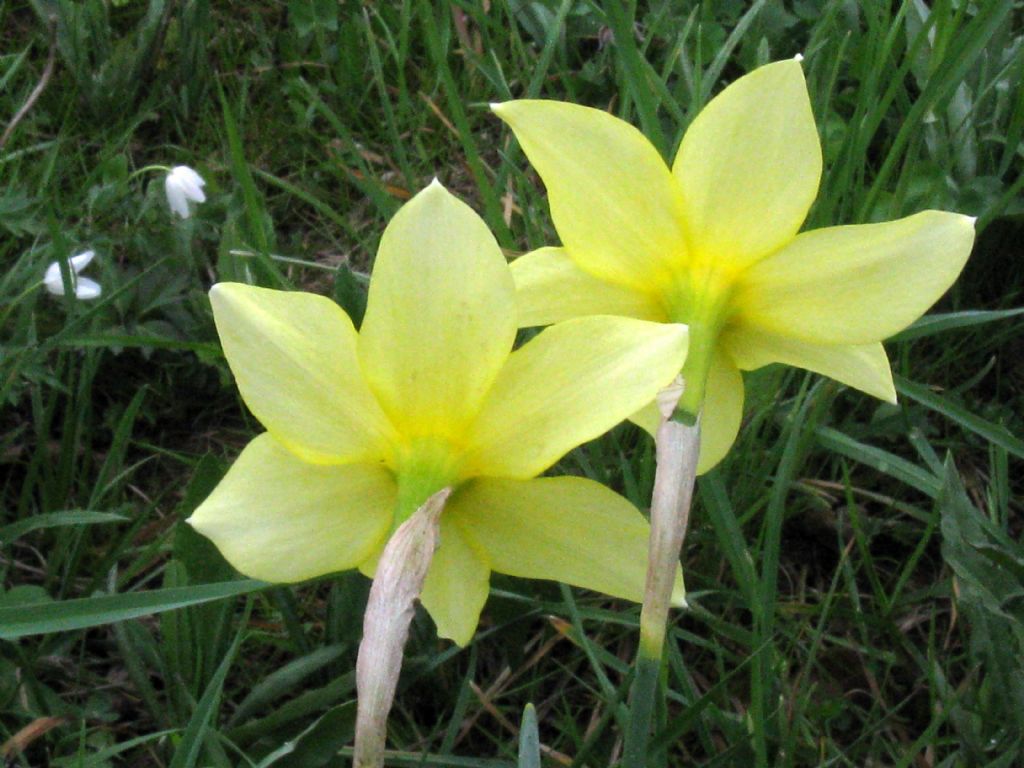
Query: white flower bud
[[183, 185]]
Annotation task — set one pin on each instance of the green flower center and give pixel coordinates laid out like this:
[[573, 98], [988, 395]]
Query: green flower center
[[700, 296], [423, 466]]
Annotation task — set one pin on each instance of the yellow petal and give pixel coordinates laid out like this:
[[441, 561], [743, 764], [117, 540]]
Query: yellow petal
[[571, 383], [294, 358], [722, 413], [440, 318], [864, 367], [550, 287], [749, 166], [648, 418], [856, 284], [613, 199], [566, 529], [457, 583], [278, 518]]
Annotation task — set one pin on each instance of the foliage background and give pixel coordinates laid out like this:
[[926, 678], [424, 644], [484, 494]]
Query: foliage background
[[855, 570]]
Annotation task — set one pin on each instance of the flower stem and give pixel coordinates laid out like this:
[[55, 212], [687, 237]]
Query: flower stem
[[677, 447], [641, 710], [401, 571], [148, 169]]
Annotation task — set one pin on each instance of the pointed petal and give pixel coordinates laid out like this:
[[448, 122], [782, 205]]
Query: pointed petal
[[176, 197], [613, 199], [87, 289], [294, 358], [749, 166], [53, 281], [570, 384], [440, 318], [81, 261], [550, 287], [864, 367], [856, 284], [457, 584], [566, 529], [196, 194], [277, 518], [722, 413], [191, 182]]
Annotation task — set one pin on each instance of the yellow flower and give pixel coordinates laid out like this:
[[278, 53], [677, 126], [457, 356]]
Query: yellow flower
[[713, 243], [363, 427]]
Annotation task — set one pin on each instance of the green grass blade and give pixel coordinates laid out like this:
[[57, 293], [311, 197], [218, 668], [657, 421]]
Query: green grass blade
[[930, 325], [885, 462], [187, 753], [529, 740], [41, 618], [994, 433], [621, 18], [284, 681], [55, 520]]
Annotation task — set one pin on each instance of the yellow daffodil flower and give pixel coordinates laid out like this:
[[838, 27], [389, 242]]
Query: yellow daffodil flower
[[363, 427], [713, 243]]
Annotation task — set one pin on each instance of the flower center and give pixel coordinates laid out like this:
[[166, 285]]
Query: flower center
[[700, 296], [423, 466]]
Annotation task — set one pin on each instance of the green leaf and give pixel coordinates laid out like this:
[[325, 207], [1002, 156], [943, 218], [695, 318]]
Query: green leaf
[[127, 340], [930, 325], [187, 753], [529, 740], [43, 617], [55, 520], [320, 743], [885, 462], [988, 564], [994, 433], [350, 293], [284, 681]]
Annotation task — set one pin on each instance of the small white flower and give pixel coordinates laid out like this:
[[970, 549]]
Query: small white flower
[[84, 287], [182, 185]]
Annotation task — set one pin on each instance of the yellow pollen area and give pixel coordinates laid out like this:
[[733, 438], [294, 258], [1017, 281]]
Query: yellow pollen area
[[423, 466]]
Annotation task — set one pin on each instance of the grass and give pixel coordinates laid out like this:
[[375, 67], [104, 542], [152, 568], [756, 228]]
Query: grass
[[854, 567]]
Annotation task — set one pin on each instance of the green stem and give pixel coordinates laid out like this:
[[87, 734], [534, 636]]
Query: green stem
[[641, 711], [147, 169], [677, 447], [695, 371]]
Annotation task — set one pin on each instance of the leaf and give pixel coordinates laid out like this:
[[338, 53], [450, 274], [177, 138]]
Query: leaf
[[529, 739], [44, 617], [308, 16], [350, 293], [126, 340], [55, 520], [320, 743], [285, 681], [16, 214], [885, 462], [988, 564], [994, 433], [187, 753], [930, 325]]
